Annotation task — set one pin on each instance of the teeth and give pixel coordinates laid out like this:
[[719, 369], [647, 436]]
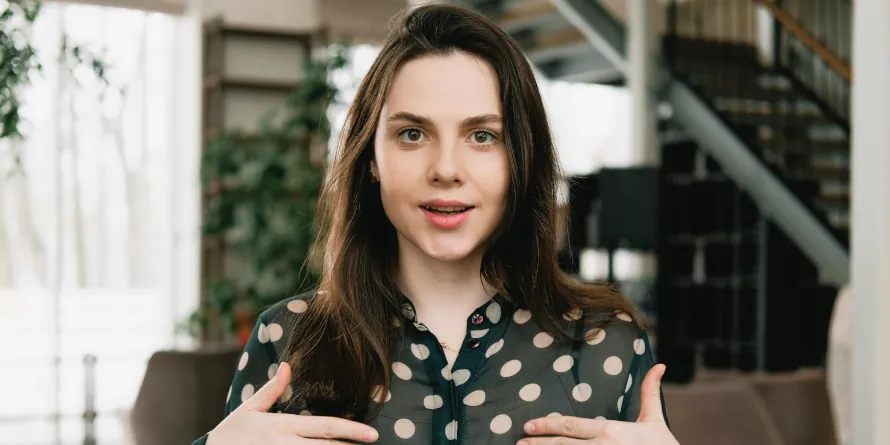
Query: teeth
[[446, 209]]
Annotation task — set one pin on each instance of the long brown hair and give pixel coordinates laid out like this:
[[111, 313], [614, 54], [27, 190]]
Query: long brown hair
[[342, 347]]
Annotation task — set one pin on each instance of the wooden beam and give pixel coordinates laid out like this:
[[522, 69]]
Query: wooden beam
[[831, 59]]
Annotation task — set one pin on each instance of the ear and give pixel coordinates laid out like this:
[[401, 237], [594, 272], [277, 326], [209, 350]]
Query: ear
[[374, 171]]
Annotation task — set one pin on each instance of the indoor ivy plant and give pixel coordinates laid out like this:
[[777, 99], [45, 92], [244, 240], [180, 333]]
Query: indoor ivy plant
[[260, 194], [18, 60]]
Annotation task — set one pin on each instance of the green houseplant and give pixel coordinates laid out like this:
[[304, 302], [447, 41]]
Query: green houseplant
[[18, 60], [260, 193]]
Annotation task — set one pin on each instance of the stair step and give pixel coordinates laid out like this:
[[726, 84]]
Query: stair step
[[752, 92], [807, 146], [837, 198], [820, 172], [682, 47], [748, 115]]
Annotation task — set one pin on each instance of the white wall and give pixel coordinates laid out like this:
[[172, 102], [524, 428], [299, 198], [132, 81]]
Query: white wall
[[287, 14]]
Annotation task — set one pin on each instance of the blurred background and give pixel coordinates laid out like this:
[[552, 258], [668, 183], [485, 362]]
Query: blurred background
[[160, 162]]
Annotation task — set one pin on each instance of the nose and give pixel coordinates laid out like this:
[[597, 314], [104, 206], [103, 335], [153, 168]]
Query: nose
[[445, 166]]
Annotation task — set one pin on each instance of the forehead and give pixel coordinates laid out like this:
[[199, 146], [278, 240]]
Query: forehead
[[441, 87]]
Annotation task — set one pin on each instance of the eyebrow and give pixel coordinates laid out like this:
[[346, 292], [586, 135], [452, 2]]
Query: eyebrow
[[468, 122]]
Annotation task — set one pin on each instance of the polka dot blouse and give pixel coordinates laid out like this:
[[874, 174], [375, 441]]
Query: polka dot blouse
[[507, 372]]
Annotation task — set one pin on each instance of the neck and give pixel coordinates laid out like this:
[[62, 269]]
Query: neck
[[441, 289]]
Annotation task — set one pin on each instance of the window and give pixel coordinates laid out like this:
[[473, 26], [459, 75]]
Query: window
[[90, 227]]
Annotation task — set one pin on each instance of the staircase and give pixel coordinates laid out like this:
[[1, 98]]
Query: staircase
[[755, 164]]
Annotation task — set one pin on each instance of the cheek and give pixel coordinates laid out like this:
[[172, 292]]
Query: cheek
[[497, 180]]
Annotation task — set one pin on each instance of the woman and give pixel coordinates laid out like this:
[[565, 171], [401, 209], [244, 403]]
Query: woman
[[442, 316]]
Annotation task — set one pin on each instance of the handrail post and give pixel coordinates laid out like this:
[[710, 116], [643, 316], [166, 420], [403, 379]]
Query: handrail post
[[89, 406]]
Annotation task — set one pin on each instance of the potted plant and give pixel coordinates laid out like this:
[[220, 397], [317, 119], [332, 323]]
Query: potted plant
[[260, 194]]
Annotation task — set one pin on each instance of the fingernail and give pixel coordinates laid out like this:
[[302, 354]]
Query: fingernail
[[530, 428], [371, 435]]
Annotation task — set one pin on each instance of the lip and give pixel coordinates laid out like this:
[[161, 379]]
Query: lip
[[447, 222], [445, 203], [443, 221]]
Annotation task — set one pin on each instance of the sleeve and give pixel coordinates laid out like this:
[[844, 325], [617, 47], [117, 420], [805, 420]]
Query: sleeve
[[257, 365], [643, 361]]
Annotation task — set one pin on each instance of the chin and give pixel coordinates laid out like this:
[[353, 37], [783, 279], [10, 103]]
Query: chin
[[448, 251]]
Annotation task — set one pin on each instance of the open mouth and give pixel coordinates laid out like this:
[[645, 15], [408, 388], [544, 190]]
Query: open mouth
[[446, 210]]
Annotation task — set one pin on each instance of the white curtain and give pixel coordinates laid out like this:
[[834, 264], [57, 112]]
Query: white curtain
[[87, 225]]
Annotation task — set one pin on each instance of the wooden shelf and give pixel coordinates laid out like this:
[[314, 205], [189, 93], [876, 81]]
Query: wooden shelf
[[248, 83]]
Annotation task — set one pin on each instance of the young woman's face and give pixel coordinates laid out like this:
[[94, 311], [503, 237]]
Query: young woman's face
[[440, 157]]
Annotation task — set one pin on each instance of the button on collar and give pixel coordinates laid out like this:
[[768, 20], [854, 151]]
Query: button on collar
[[477, 319]]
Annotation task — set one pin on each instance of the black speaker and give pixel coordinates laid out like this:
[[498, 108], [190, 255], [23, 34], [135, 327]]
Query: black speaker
[[628, 216], [583, 191]]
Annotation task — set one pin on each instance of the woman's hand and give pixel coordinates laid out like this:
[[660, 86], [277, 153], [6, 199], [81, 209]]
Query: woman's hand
[[649, 429], [252, 424]]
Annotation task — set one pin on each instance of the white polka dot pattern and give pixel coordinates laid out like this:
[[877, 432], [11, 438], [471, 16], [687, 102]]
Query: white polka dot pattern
[[612, 365], [420, 351], [639, 346], [573, 315], [262, 334], [247, 392], [511, 368], [404, 428], [563, 363], [408, 311], [478, 333], [287, 394], [451, 430], [305, 412], [460, 376], [501, 424], [596, 336], [378, 396], [522, 316], [542, 340], [530, 392], [500, 385], [475, 398], [433, 402], [297, 306], [493, 312], [401, 370], [494, 348], [275, 331], [582, 392]]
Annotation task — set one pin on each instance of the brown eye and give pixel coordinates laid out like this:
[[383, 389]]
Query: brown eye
[[411, 136], [483, 138]]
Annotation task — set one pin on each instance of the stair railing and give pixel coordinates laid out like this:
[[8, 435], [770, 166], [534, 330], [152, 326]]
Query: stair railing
[[814, 43]]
